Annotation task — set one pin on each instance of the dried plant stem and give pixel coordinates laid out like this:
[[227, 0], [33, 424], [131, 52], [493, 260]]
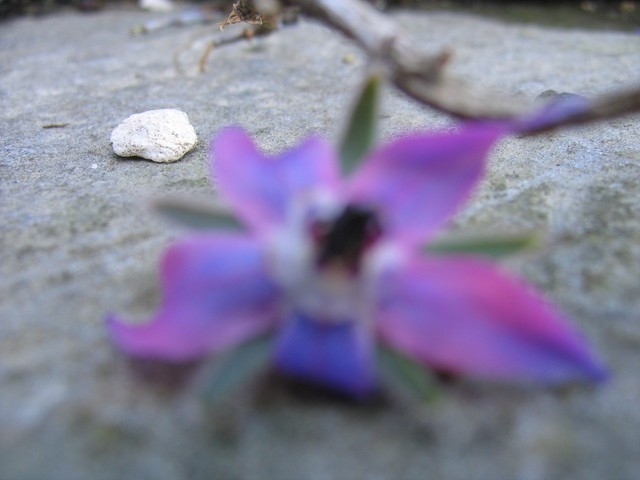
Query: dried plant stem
[[421, 75], [417, 73], [245, 34]]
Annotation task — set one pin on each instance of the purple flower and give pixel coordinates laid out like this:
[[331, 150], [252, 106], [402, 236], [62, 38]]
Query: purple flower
[[332, 266]]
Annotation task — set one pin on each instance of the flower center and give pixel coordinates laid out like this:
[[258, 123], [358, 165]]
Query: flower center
[[327, 263], [341, 242]]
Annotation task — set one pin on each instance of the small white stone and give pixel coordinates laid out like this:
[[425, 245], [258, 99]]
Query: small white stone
[[159, 135], [162, 6]]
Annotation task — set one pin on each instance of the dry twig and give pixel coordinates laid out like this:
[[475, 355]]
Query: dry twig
[[422, 76]]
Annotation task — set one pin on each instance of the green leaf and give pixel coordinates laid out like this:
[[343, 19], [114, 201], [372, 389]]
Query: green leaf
[[360, 131], [406, 376], [235, 369], [195, 215], [494, 247]]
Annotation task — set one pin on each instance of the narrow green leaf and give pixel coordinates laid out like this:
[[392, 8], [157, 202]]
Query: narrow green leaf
[[360, 131], [494, 247], [234, 369], [406, 376], [195, 215]]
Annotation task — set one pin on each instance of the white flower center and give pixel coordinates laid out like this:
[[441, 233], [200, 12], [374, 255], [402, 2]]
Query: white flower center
[[330, 292]]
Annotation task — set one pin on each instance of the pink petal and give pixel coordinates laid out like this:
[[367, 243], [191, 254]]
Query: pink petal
[[216, 293], [464, 316], [261, 188], [418, 182]]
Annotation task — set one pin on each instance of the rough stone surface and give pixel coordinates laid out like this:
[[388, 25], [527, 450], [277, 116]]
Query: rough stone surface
[[76, 242], [163, 135]]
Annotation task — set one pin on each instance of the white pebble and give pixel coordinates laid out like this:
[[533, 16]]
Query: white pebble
[[158, 135], [162, 6]]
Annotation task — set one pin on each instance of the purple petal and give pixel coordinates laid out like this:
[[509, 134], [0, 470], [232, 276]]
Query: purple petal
[[216, 294], [464, 316], [419, 181], [560, 109], [261, 188], [337, 355]]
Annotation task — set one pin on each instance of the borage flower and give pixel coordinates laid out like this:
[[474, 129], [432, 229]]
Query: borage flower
[[332, 266]]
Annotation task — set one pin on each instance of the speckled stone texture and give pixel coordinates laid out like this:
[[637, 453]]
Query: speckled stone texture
[[76, 242]]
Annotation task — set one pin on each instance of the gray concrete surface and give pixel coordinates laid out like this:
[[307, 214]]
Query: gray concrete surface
[[76, 242]]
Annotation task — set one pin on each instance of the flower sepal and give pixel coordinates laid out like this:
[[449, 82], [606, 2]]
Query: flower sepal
[[360, 130], [487, 246], [405, 377], [226, 375], [196, 215]]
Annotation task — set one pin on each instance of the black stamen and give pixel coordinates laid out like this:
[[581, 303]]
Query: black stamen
[[347, 237]]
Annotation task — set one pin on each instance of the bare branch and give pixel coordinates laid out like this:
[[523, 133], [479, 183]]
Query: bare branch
[[419, 74], [422, 75]]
